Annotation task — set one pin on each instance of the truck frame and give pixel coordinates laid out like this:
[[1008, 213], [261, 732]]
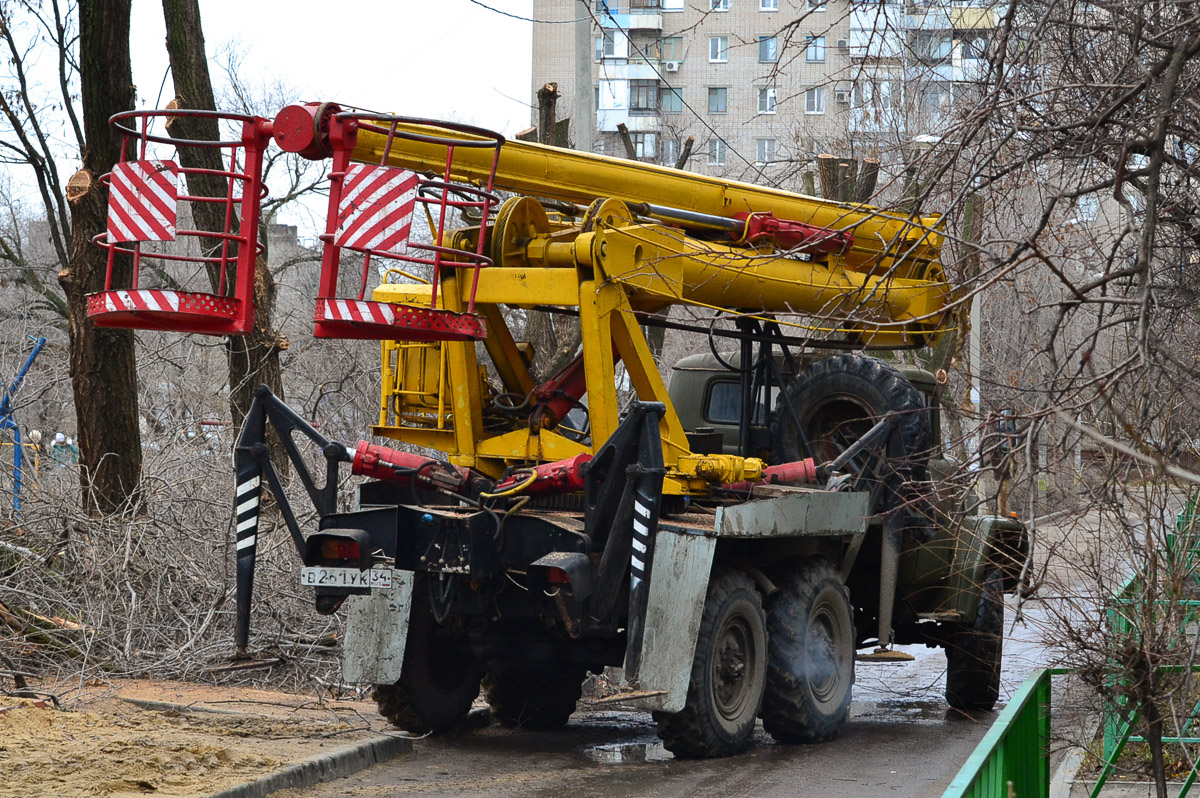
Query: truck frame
[[730, 566]]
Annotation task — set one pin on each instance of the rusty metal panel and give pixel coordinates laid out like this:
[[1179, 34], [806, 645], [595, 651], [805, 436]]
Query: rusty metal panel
[[376, 628], [678, 584], [805, 512]]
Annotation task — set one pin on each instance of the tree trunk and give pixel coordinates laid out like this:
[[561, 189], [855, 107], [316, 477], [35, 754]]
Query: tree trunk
[[103, 368], [253, 358]]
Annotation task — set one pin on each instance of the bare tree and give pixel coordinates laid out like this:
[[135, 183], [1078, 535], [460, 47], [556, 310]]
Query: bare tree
[[103, 367]]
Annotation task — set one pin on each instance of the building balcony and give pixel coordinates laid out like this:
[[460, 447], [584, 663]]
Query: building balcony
[[630, 70], [640, 19], [635, 121]]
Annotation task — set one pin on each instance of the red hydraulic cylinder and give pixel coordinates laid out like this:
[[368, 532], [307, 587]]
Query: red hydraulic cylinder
[[800, 472], [787, 234], [562, 476], [390, 465]]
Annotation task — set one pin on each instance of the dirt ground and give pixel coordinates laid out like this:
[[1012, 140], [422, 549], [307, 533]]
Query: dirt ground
[[108, 746]]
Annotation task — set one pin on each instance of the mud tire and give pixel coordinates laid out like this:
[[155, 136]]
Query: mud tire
[[439, 680], [728, 673], [533, 699], [838, 399], [974, 651], [810, 655]]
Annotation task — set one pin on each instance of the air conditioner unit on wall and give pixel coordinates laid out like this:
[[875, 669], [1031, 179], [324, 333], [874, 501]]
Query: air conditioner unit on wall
[[842, 96], [843, 44], [671, 66]]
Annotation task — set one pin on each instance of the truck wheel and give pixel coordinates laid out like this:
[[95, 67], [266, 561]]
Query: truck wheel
[[728, 673], [974, 651], [810, 655], [533, 698], [838, 399], [439, 680]]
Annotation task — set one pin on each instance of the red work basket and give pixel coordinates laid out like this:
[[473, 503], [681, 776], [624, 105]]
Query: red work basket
[[145, 199], [371, 210]]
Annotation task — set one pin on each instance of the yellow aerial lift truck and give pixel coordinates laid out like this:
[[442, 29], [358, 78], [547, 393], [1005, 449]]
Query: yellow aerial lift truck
[[730, 542]]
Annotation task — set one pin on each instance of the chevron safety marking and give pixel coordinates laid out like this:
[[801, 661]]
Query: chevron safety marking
[[142, 199], [141, 299], [376, 208], [354, 310]]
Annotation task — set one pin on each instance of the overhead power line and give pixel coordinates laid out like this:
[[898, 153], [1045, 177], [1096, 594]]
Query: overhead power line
[[529, 19]]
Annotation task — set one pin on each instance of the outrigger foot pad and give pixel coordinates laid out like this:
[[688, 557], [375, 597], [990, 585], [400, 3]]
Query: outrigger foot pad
[[882, 654]]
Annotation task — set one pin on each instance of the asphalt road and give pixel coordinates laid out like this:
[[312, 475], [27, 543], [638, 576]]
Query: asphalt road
[[901, 741], [885, 749]]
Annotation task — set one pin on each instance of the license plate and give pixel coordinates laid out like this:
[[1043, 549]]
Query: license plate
[[321, 576]]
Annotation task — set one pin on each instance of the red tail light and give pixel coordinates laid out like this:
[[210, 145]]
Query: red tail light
[[557, 576], [339, 549]]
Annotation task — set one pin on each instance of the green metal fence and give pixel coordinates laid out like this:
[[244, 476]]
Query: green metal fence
[[1015, 751], [1128, 605], [1013, 759]]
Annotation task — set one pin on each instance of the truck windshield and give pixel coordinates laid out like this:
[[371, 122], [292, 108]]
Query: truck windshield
[[724, 403]]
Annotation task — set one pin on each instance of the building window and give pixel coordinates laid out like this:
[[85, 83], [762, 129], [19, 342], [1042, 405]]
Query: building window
[[671, 101], [814, 101], [718, 100], [719, 5], [643, 4], [604, 6], [764, 151], [768, 5], [816, 6], [606, 45], [766, 100], [933, 47], [814, 53], [974, 46], [672, 5], [716, 152], [934, 98], [670, 151], [643, 145], [671, 48], [768, 49], [597, 98], [643, 96], [718, 49], [879, 94]]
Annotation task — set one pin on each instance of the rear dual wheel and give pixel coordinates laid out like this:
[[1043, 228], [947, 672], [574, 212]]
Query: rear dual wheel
[[810, 660], [533, 698], [439, 680]]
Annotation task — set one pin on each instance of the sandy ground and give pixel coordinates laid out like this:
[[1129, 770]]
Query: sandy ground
[[108, 746]]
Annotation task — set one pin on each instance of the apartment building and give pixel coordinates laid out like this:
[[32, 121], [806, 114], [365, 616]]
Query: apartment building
[[763, 85]]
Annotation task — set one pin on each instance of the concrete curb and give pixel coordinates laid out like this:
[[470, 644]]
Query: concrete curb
[[325, 767], [334, 764], [167, 706], [1063, 780]]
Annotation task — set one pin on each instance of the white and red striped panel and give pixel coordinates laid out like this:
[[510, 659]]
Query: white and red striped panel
[[354, 310], [375, 212], [142, 201], [141, 299]]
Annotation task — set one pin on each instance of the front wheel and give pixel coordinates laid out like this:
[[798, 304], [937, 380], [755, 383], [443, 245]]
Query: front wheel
[[728, 673], [810, 664], [974, 652]]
